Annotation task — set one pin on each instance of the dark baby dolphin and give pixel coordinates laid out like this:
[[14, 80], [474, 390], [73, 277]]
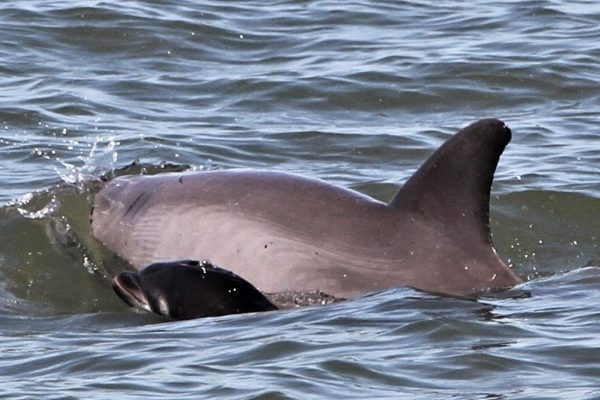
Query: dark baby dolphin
[[285, 232], [189, 289]]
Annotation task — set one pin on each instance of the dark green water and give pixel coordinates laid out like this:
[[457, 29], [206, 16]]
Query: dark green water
[[357, 93]]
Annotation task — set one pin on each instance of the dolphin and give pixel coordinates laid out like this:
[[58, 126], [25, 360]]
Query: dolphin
[[286, 232], [189, 289]]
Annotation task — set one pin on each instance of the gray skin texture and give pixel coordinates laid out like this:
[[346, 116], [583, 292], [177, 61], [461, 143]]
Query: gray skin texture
[[286, 232]]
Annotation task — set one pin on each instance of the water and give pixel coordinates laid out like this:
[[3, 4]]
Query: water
[[357, 93]]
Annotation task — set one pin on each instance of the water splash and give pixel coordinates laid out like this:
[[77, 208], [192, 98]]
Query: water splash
[[27, 205], [102, 157]]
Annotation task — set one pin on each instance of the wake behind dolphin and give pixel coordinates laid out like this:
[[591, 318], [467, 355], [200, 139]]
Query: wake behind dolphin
[[283, 232]]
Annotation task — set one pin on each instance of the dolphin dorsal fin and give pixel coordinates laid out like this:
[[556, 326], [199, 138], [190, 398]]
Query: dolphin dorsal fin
[[452, 188]]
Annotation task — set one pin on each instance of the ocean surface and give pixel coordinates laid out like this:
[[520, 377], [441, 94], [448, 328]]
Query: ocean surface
[[358, 93]]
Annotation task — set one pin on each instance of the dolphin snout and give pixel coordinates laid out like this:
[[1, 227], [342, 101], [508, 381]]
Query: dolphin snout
[[127, 286]]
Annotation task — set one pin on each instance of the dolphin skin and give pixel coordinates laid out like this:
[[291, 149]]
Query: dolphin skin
[[285, 232]]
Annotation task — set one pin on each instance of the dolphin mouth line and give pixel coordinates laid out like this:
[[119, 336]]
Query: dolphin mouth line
[[129, 291]]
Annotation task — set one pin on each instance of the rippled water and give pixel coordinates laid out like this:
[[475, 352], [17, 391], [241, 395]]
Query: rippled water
[[357, 93]]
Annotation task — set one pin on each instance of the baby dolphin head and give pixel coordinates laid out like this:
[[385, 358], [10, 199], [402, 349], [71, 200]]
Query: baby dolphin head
[[189, 289]]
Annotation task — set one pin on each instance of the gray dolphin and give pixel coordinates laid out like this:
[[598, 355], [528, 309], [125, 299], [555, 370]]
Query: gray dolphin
[[286, 232]]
